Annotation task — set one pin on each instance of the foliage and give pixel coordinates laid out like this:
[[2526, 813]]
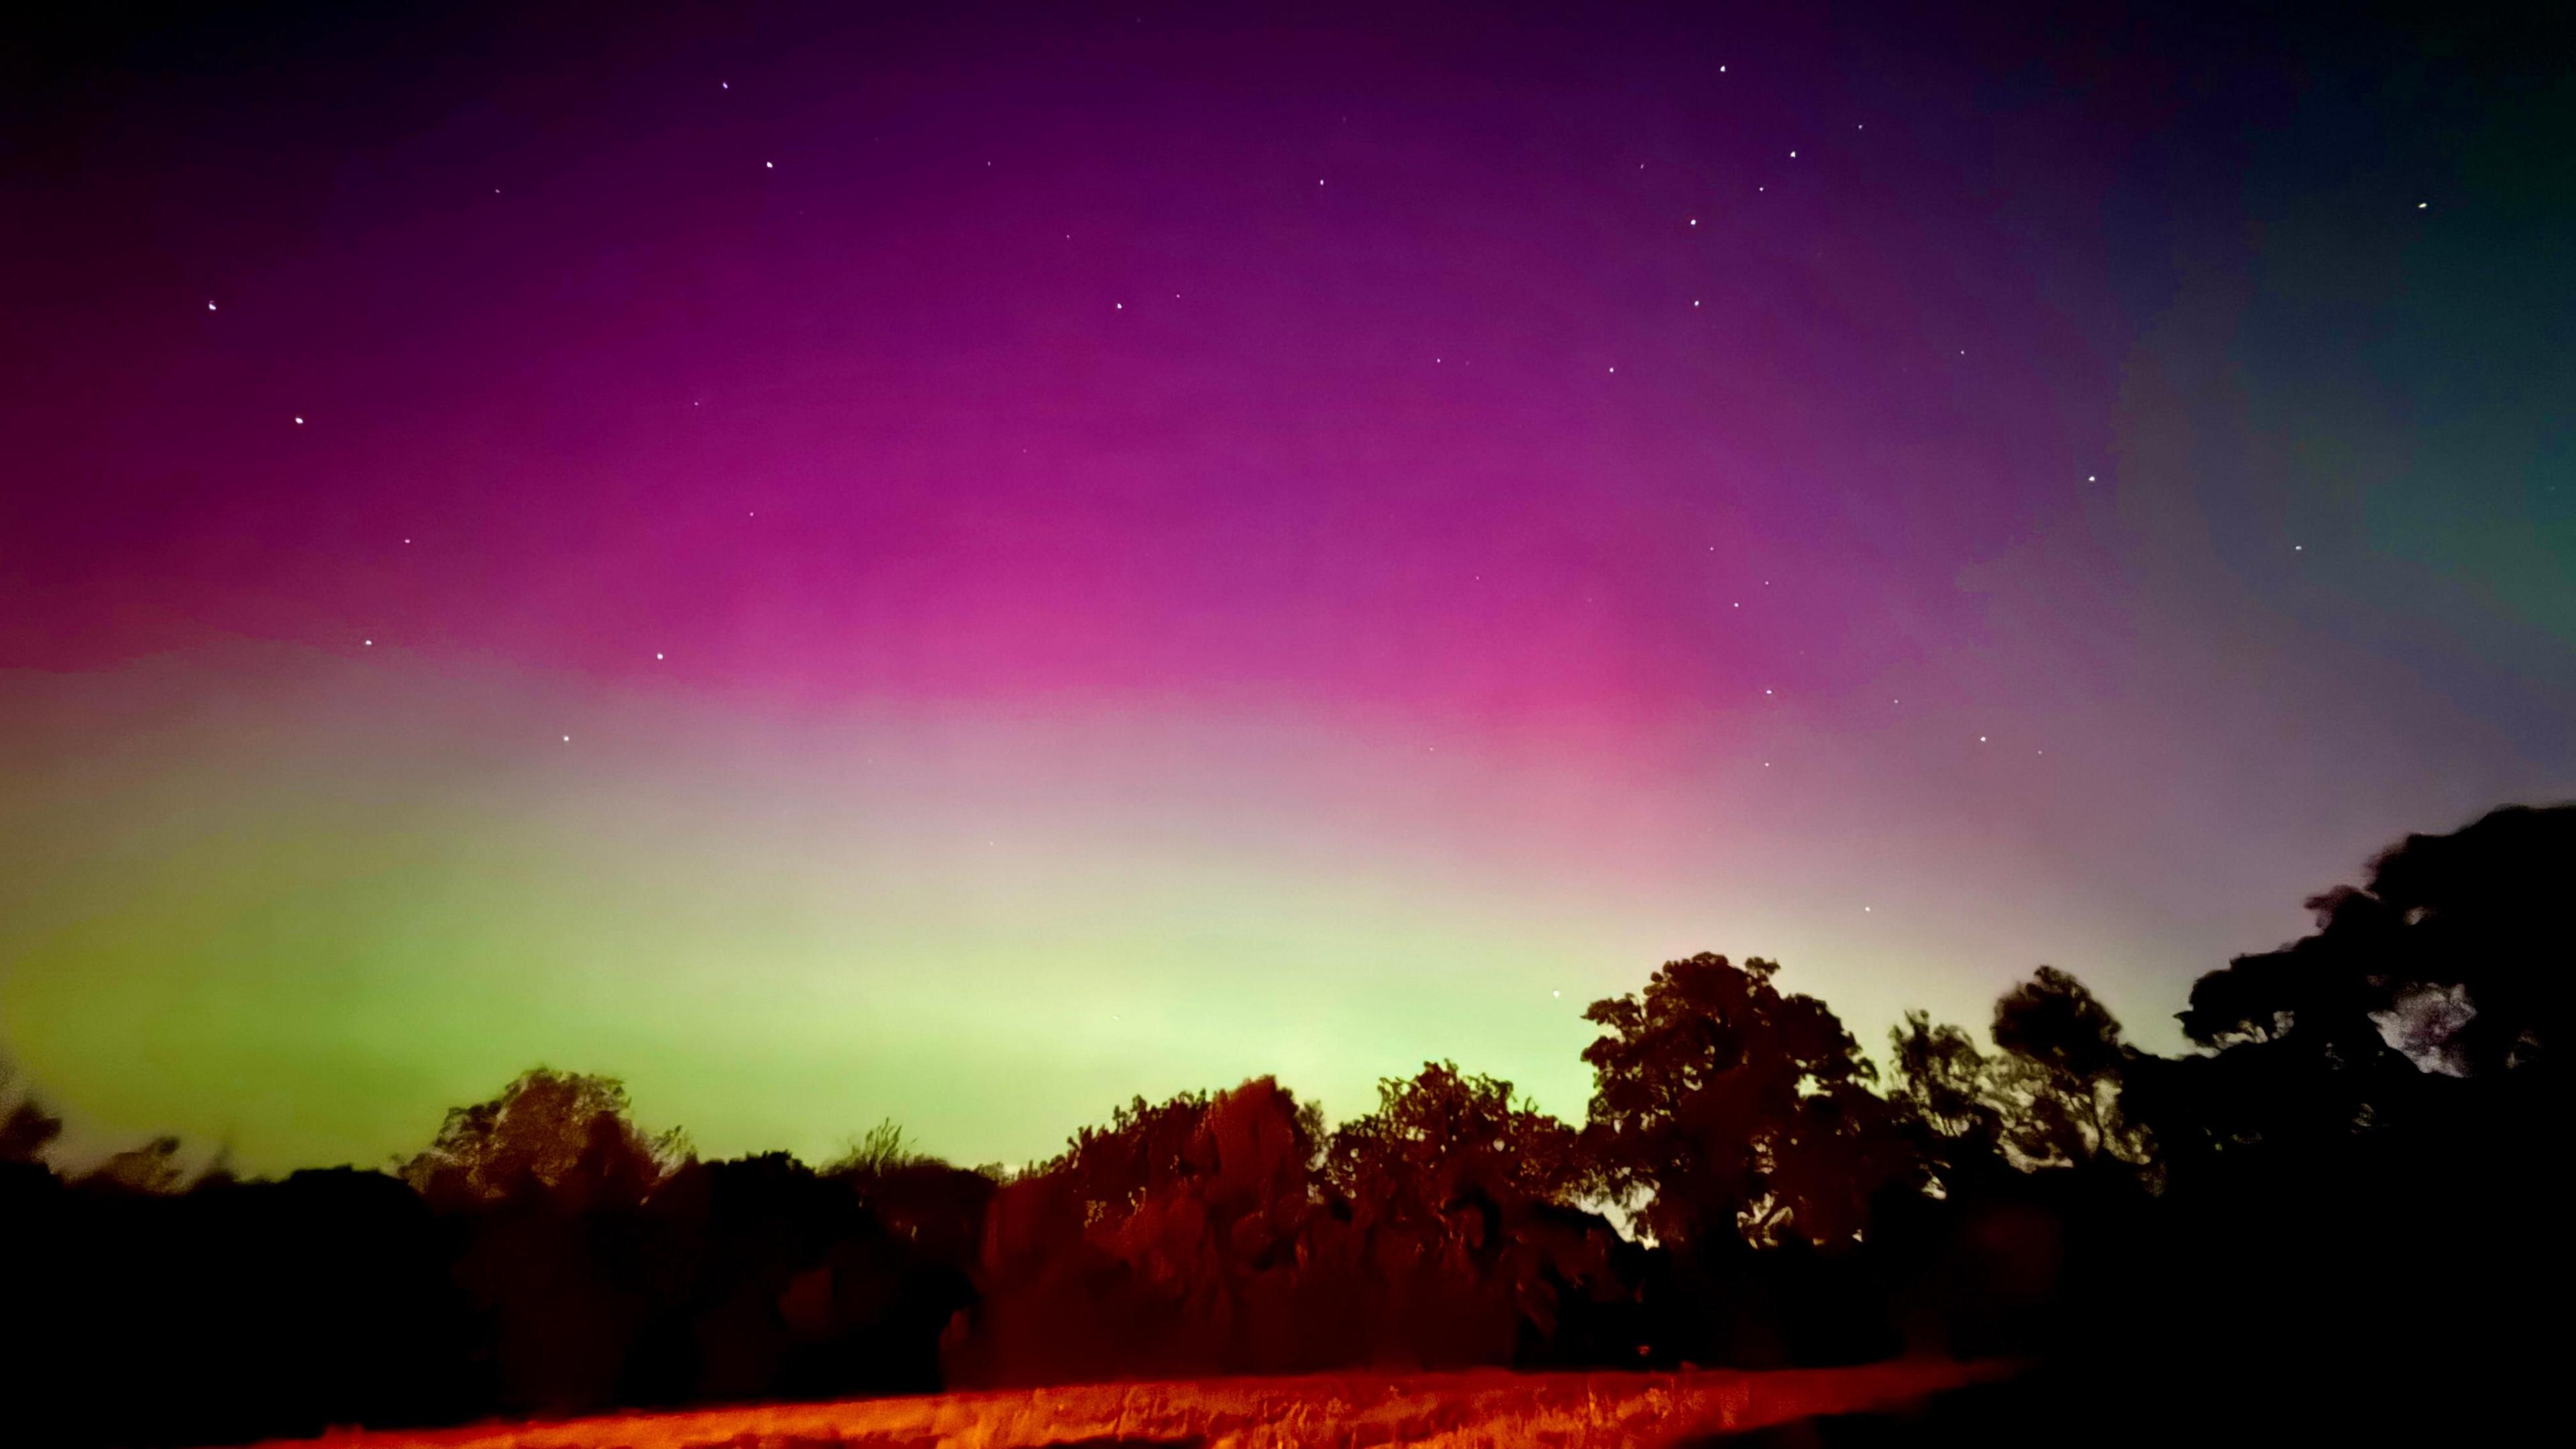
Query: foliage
[[1145, 1147], [1442, 1135], [1735, 1109], [880, 1151], [2448, 966], [2265, 1199], [548, 1132], [1943, 1084], [2060, 1077]]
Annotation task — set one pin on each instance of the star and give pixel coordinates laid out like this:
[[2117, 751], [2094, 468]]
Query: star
[[2419, 206], [1560, 993], [210, 306], [1694, 221], [769, 165], [2298, 548], [371, 643], [299, 422], [1121, 306], [657, 655], [567, 739], [1981, 739], [1793, 155]]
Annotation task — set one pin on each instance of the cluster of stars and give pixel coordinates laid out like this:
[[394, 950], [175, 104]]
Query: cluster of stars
[[1121, 306], [1692, 222]]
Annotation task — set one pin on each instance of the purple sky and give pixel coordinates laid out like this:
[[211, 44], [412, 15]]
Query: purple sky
[[1476, 503]]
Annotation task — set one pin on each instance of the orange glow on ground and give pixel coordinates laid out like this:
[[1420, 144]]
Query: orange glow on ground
[[1569, 1410]]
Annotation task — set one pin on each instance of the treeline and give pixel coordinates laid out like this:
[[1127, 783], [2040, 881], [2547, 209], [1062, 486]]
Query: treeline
[[2343, 1202]]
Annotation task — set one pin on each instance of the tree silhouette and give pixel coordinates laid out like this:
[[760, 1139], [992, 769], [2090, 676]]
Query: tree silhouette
[[1442, 1134], [2450, 962], [2468, 924], [1735, 1109], [1170, 1241], [1945, 1087], [2063, 1069], [559, 1132], [1145, 1146], [2351, 1182], [1449, 1186]]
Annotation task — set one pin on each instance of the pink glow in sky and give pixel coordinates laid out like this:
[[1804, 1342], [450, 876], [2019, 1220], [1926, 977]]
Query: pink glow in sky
[[1508, 504]]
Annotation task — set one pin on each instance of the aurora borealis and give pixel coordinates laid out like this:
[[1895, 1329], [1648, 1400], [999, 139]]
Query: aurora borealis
[[961, 570]]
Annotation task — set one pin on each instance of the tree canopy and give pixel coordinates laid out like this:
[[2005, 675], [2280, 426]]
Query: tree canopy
[[1733, 1108], [548, 1131]]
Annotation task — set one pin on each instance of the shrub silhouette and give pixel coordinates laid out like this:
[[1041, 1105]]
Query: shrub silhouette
[[26, 1128]]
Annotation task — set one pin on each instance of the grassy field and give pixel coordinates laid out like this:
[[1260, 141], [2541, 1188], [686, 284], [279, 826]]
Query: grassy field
[[1574, 1411]]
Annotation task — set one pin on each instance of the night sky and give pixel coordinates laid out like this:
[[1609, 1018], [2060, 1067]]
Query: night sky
[[961, 568]]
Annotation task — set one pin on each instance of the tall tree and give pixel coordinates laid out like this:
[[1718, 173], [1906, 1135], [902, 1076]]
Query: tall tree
[[1733, 1108], [2065, 1065], [1944, 1087], [1459, 1194]]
